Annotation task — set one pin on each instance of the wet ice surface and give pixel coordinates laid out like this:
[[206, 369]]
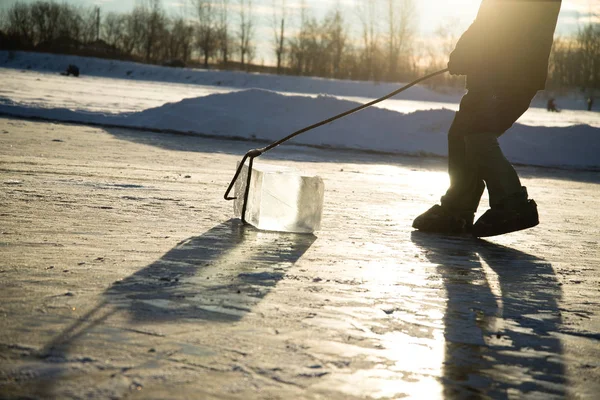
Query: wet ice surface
[[123, 275]]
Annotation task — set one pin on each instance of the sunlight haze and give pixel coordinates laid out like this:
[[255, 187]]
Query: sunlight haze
[[430, 15]]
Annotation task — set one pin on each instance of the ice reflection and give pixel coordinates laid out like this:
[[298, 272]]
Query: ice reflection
[[385, 323], [381, 383], [391, 334], [389, 176], [465, 320]]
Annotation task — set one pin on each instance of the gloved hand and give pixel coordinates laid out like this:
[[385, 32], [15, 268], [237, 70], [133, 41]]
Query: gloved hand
[[467, 54], [457, 65]]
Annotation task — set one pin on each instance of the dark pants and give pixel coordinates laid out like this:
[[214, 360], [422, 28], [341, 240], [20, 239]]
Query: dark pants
[[474, 155]]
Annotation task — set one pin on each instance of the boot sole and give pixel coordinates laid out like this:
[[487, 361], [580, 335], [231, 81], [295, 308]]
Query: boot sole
[[501, 230]]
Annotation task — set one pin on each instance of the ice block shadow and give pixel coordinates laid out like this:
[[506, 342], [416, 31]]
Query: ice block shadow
[[497, 344], [219, 275]]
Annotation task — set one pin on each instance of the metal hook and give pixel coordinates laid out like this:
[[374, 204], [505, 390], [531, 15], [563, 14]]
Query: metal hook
[[251, 155]]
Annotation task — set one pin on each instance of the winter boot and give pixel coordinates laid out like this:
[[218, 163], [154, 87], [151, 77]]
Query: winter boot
[[440, 219], [507, 218]]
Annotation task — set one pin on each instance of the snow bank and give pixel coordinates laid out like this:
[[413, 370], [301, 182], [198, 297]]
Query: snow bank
[[129, 70], [90, 66], [267, 115]]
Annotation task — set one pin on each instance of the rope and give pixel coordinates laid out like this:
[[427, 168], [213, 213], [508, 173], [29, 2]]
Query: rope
[[257, 152]]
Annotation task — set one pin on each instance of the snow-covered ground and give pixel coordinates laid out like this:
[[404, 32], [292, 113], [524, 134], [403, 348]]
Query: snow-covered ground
[[142, 72], [113, 95], [235, 104]]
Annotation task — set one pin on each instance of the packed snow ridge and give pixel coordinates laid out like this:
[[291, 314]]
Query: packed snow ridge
[[256, 113], [266, 115]]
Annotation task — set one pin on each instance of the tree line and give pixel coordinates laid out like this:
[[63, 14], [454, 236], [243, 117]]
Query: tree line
[[375, 41], [575, 62]]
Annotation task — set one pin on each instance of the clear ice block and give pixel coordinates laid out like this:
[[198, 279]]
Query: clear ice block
[[280, 198]]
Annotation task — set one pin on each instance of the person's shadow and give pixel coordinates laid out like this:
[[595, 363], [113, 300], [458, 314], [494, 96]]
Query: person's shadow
[[500, 322], [217, 277]]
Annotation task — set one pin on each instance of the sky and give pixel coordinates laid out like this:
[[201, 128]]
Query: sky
[[431, 14]]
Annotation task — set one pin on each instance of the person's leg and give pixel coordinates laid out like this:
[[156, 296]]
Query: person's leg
[[458, 205], [499, 113], [466, 183], [474, 156], [510, 208], [493, 167]]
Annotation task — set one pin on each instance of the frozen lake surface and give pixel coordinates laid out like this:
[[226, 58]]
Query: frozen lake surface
[[125, 276]]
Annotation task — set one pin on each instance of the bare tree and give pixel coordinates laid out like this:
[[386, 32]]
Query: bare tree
[[319, 46], [338, 38], [133, 24], [315, 48], [69, 22], [153, 19], [588, 41], [223, 35], [45, 22], [401, 17], [279, 14], [563, 62], [299, 43], [447, 35], [20, 24], [179, 46], [45, 19], [246, 32], [367, 14], [206, 35], [87, 18], [3, 20], [112, 29]]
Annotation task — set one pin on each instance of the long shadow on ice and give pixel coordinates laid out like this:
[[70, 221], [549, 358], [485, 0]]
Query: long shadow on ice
[[217, 277], [502, 313]]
